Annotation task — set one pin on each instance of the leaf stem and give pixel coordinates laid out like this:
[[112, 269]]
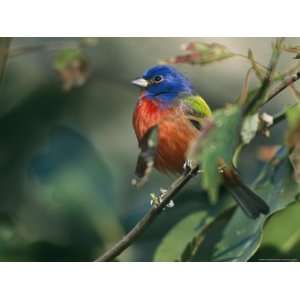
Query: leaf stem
[[255, 61]]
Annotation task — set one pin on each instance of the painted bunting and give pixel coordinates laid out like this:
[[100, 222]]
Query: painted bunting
[[167, 101]]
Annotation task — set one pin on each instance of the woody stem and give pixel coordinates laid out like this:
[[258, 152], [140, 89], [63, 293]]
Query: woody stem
[[149, 217]]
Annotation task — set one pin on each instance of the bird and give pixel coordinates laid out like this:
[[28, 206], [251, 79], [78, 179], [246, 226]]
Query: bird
[[168, 102]]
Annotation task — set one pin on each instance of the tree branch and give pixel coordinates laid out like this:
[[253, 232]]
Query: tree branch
[[281, 116], [259, 97], [284, 84], [149, 217]]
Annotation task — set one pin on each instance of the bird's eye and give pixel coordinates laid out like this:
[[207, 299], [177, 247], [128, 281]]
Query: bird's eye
[[157, 79]]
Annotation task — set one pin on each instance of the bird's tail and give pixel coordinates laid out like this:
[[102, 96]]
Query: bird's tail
[[252, 204]]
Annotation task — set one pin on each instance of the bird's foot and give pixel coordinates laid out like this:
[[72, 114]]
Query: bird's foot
[[156, 200], [188, 166]]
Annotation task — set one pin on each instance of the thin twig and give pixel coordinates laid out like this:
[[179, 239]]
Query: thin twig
[[295, 92], [277, 77], [244, 93], [265, 68], [283, 85], [261, 94], [291, 70], [288, 82], [281, 116], [149, 217]]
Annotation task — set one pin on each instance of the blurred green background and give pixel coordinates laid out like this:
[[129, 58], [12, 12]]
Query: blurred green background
[[67, 158]]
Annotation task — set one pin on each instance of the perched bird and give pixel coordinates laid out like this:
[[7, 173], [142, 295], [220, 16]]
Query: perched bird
[[167, 101]]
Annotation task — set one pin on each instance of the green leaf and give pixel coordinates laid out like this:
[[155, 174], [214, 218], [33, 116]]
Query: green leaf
[[183, 239], [237, 238], [201, 247], [283, 238], [293, 138], [173, 245], [218, 143], [242, 236], [201, 53], [293, 117]]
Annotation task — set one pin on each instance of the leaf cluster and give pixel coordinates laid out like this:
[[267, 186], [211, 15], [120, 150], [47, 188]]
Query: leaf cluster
[[223, 232]]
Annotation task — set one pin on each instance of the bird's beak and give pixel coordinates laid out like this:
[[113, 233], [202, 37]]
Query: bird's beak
[[141, 82]]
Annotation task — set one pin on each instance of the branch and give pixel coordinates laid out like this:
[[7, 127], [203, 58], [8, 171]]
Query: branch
[[281, 116], [149, 217], [284, 84], [261, 93], [257, 66], [277, 118]]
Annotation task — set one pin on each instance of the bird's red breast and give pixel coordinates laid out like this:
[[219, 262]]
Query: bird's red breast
[[175, 132]]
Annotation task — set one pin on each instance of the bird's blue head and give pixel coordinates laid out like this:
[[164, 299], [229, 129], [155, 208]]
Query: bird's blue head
[[164, 83]]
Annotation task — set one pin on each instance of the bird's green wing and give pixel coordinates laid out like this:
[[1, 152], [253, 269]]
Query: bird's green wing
[[196, 108]]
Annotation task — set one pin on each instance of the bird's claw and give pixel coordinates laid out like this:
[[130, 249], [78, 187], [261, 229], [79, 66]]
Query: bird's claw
[[188, 165], [156, 200]]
